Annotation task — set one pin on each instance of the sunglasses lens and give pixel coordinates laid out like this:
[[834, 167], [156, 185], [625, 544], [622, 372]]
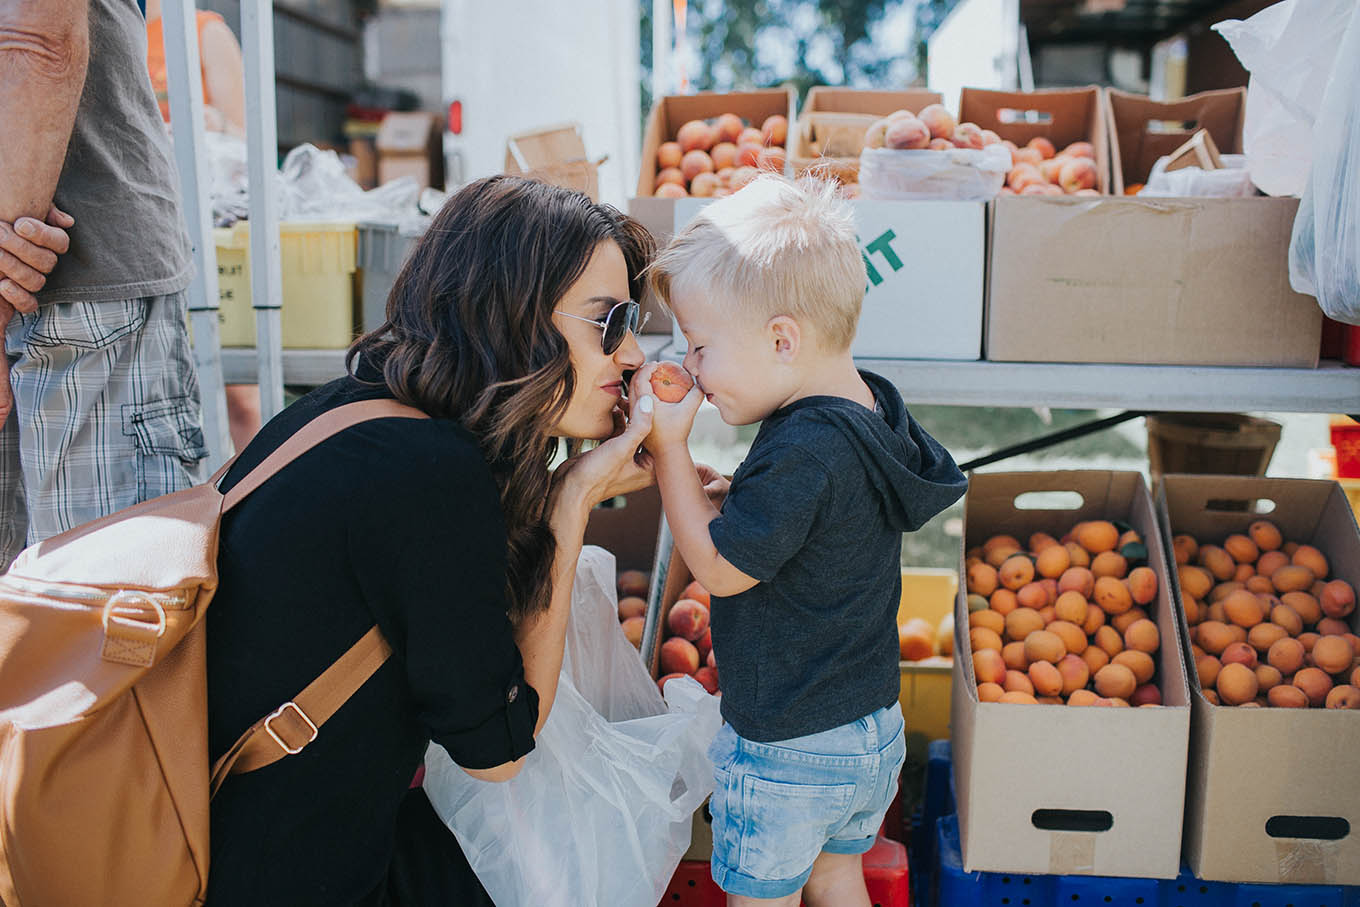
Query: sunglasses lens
[[622, 319]]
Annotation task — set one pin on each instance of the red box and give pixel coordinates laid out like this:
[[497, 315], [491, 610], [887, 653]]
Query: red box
[[1346, 440]]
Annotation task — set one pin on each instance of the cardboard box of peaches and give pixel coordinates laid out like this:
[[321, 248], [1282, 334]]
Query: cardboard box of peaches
[[1266, 577], [1071, 718]]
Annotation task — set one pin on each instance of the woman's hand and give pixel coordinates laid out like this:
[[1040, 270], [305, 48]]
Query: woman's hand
[[617, 466], [673, 421]]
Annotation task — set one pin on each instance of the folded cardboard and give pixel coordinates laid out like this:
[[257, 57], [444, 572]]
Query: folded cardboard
[[411, 144], [1062, 116], [1198, 151], [829, 132], [1062, 789], [925, 263], [1173, 281], [555, 155], [1142, 130], [1273, 794]]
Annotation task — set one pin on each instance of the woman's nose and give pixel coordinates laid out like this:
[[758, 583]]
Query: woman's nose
[[630, 354]]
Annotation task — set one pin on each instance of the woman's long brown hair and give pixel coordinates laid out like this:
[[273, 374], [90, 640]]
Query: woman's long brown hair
[[469, 336]]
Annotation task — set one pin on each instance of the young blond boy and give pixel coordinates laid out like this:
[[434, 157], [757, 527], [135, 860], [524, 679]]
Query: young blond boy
[[803, 560]]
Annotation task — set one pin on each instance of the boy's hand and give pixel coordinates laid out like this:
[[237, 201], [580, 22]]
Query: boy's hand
[[715, 486], [671, 422], [28, 253]]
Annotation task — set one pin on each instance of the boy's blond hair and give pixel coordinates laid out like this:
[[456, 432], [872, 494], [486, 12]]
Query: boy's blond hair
[[776, 247]]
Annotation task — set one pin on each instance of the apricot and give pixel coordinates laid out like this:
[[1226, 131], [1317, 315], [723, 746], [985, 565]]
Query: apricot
[[1210, 696], [1072, 636], [1096, 536], [1052, 561], [1082, 697], [1146, 694], [990, 692], [1000, 542], [1270, 561], [1242, 549], [1236, 684], [988, 665], [1265, 535], [1224, 589], [989, 619], [1050, 588], [1239, 653], [696, 162], [1140, 663], [1095, 619], [1013, 654], [1075, 673], [1196, 582], [631, 606], [1043, 645], [1184, 548], [1289, 548], [632, 630], [1131, 537], [916, 640], [679, 655], [1312, 558], [1122, 622], [670, 382], [1112, 595], [998, 556], [1021, 622], [1215, 636], [1095, 658], [1032, 595], [1330, 626], [1018, 698], [1079, 555], [1268, 678], [1207, 668], [1261, 585], [1244, 573], [1305, 605], [1315, 684], [1077, 174], [1040, 542], [1192, 611], [1293, 578], [1308, 639], [983, 638], [1077, 579], [1286, 617], [632, 582], [1337, 598], [1016, 571], [696, 135], [1333, 654], [976, 603], [1109, 563], [1355, 676], [938, 120], [1264, 635], [1243, 608], [1115, 681], [1004, 601], [1287, 696], [1142, 583], [1072, 607], [775, 130], [1018, 680], [1142, 636], [1048, 614], [1047, 679], [1344, 696], [1217, 561]]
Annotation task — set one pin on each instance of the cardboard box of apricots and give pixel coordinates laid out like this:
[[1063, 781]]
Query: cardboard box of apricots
[[1273, 791], [1061, 788], [1141, 280]]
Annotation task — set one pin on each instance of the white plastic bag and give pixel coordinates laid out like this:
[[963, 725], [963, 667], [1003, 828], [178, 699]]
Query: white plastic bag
[[961, 174], [600, 814], [1232, 181], [1324, 250], [1288, 48]]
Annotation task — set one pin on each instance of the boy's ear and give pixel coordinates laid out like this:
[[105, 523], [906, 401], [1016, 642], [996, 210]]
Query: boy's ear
[[786, 337]]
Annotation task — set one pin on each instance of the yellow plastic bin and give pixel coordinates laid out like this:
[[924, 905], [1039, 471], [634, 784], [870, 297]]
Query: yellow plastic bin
[[318, 263], [926, 685]]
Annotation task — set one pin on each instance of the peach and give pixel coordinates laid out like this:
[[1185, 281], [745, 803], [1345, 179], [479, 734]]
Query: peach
[[705, 645], [1074, 672], [1115, 681], [989, 666], [1016, 571], [670, 175], [1333, 654], [1287, 696], [1337, 598], [943, 145], [1027, 156], [670, 382], [1237, 684], [696, 135], [905, 133], [1239, 653], [1142, 636], [775, 129], [1315, 684], [689, 619], [938, 120], [668, 155], [632, 630], [1080, 149], [704, 185], [724, 155], [728, 127], [632, 582], [679, 654], [968, 135], [990, 692], [1051, 168], [712, 659], [771, 159], [1042, 145], [876, 136], [748, 154], [632, 606], [989, 138], [661, 681], [1140, 663], [1185, 548], [750, 135], [741, 176], [708, 677], [698, 593], [1047, 679], [670, 190], [694, 163], [1343, 697], [1109, 563], [1077, 174]]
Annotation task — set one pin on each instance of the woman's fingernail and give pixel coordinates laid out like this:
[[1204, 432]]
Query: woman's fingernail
[[645, 404]]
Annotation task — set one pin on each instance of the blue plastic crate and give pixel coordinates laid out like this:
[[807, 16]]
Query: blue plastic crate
[[1187, 891], [956, 888], [1289, 896]]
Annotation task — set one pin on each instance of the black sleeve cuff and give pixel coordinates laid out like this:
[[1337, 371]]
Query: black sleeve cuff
[[505, 736]]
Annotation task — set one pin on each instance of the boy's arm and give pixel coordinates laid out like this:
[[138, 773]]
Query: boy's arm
[[688, 513]]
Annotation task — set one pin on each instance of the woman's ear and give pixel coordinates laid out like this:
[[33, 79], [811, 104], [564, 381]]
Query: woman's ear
[[786, 337]]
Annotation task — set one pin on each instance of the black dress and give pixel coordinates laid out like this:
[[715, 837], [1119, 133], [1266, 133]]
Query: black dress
[[398, 522]]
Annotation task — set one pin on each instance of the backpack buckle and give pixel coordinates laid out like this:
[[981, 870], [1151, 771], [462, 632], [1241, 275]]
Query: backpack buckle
[[278, 713], [127, 639]]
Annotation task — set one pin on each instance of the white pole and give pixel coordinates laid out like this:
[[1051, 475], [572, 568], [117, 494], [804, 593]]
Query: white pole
[[661, 49], [266, 281], [186, 112]]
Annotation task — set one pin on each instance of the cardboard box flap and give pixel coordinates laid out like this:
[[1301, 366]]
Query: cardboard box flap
[[831, 134], [407, 133], [1143, 130], [1199, 151], [1214, 510], [1062, 116], [543, 147], [822, 98]]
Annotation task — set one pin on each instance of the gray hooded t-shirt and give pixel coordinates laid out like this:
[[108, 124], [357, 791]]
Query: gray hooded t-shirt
[[816, 513], [118, 180]]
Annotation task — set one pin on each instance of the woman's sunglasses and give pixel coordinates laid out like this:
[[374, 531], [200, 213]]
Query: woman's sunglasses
[[622, 318]]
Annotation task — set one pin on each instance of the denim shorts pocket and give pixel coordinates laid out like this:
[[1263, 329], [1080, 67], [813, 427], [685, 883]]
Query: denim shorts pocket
[[86, 326], [785, 825]]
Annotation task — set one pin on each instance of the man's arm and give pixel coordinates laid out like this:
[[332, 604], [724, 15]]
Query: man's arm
[[44, 50]]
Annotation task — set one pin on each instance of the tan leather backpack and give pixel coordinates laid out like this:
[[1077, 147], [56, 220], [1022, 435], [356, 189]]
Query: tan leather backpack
[[104, 774]]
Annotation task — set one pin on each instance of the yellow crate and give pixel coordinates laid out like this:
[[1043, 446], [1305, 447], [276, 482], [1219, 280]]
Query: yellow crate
[[927, 594], [318, 263]]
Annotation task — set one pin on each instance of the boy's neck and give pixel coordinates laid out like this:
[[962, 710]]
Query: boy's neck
[[832, 376]]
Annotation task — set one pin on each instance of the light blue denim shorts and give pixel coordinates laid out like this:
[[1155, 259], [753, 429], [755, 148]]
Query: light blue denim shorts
[[776, 806]]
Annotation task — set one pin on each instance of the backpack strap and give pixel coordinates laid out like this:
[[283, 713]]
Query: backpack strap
[[293, 725]]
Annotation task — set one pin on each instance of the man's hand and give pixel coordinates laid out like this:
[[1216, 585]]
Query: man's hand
[[28, 253], [671, 422]]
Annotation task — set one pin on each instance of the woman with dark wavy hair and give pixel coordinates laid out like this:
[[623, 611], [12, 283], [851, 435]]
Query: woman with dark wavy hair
[[510, 326]]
